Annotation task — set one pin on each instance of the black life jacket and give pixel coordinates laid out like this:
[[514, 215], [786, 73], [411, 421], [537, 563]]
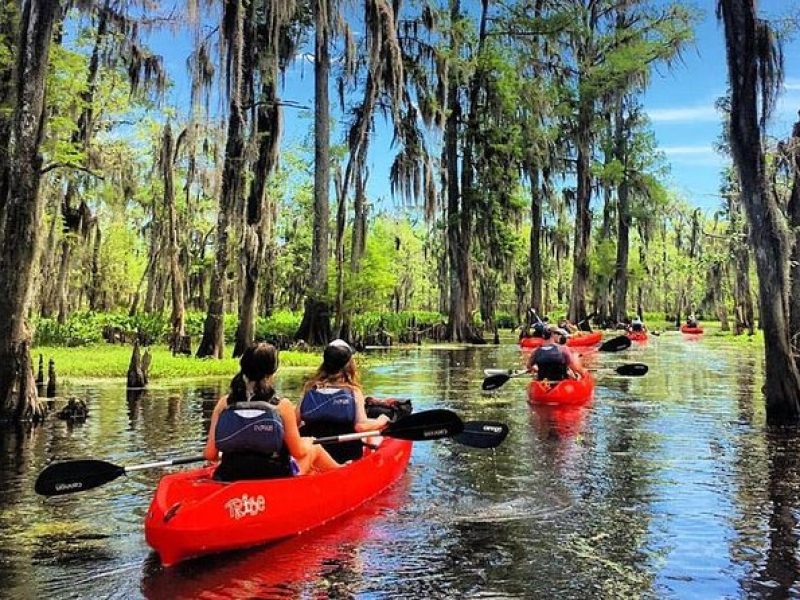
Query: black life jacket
[[250, 437], [331, 411], [551, 363]]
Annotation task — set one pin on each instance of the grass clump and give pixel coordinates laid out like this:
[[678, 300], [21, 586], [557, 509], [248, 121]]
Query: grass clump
[[112, 360]]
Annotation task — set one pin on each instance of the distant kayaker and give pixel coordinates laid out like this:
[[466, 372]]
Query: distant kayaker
[[554, 361], [637, 325], [691, 321], [333, 403], [567, 326], [256, 431]]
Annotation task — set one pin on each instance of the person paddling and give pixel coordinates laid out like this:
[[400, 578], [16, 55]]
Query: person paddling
[[637, 326], [255, 431], [554, 361], [333, 403], [691, 321]]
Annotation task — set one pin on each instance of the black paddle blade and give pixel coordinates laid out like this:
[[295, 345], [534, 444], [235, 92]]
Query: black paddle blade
[[633, 369], [622, 342], [482, 434], [494, 381], [426, 425], [75, 476]]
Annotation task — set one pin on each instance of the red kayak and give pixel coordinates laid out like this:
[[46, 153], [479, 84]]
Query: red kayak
[[637, 336], [579, 339], [691, 330], [567, 392], [192, 515]]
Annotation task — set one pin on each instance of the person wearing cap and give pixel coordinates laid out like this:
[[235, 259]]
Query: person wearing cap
[[333, 403], [553, 360], [637, 325], [254, 433]]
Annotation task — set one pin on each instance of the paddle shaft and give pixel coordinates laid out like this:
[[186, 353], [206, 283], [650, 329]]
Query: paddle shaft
[[164, 463]]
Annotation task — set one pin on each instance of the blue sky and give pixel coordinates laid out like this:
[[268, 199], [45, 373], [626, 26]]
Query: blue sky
[[680, 102]]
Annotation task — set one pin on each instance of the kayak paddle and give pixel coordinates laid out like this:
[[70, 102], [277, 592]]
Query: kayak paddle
[[418, 427], [84, 474], [80, 475], [622, 342], [492, 382], [495, 381], [482, 434]]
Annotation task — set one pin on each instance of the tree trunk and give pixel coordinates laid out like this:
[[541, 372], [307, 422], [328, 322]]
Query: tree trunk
[[315, 326], [623, 221], [536, 239], [768, 235], [23, 207], [794, 221], [583, 216], [213, 341], [94, 294], [268, 128], [177, 318], [460, 201]]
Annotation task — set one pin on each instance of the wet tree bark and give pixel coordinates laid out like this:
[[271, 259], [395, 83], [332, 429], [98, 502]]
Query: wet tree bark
[[315, 326], [22, 210], [768, 235]]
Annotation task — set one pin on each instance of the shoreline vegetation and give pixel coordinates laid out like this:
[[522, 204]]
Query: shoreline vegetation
[[107, 361]]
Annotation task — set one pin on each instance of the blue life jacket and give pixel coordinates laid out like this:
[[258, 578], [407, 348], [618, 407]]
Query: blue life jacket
[[249, 427], [551, 362], [331, 411], [329, 405]]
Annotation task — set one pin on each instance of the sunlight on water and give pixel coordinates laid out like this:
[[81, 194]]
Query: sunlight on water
[[666, 485]]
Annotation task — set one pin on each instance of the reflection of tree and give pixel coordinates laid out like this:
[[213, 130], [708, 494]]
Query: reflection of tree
[[779, 575]]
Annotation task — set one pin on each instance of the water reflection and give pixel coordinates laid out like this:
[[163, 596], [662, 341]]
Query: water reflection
[[667, 485]]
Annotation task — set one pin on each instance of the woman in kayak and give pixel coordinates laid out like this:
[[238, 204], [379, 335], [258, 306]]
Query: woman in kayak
[[256, 431], [554, 361], [333, 403], [691, 321]]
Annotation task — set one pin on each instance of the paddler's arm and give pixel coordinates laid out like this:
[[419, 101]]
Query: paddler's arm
[[363, 422], [210, 451]]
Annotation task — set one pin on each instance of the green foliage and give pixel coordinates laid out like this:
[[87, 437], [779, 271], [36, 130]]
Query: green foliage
[[112, 360]]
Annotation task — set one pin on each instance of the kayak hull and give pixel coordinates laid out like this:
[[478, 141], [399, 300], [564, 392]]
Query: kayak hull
[[638, 336], [568, 392], [691, 330], [192, 515], [588, 339]]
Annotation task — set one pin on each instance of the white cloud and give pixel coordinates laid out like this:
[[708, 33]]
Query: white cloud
[[684, 114], [791, 84], [688, 150]]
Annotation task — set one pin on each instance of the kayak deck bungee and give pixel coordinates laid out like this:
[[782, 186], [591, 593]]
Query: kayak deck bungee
[[637, 336], [691, 330], [567, 392], [580, 340], [192, 515]]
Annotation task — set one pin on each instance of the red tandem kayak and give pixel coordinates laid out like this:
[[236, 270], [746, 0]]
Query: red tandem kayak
[[568, 392], [691, 330], [637, 336], [581, 340], [192, 515]]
